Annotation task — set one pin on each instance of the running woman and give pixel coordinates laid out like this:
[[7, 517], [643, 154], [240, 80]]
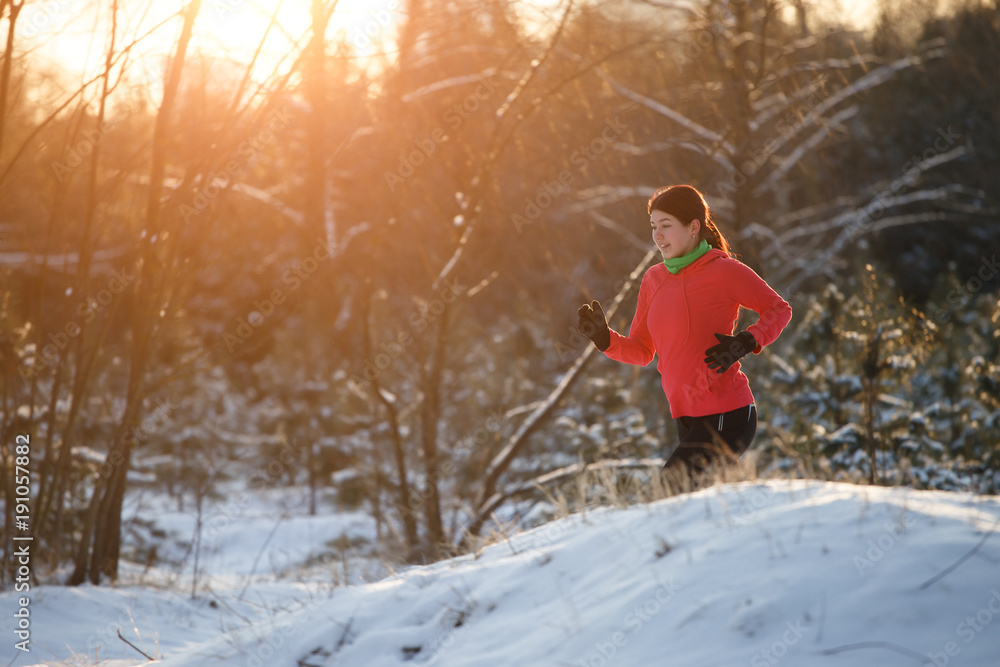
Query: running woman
[[686, 314]]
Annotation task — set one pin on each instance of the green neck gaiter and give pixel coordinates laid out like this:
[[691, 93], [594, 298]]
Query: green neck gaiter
[[678, 263]]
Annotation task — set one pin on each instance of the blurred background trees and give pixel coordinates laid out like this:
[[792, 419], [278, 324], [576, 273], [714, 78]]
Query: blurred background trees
[[353, 242]]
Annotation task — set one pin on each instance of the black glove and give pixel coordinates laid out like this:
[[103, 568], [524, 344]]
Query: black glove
[[594, 325], [729, 350]]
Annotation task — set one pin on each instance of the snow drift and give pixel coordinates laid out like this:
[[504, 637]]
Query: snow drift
[[798, 573]]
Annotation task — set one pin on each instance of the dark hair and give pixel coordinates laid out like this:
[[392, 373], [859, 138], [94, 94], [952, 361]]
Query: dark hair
[[686, 204]]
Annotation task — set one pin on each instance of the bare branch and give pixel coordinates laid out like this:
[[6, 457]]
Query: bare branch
[[658, 146], [626, 234], [502, 460], [498, 143], [566, 473], [674, 6], [145, 655], [772, 105], [603, 195], [450, 82], [806, 265], [66, 261], [822, 65], [798, 215], [885, 202], [664, 110], [874, 78], [806, 146]]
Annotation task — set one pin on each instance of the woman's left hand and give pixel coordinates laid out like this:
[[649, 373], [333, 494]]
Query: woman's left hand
[[729, 350]]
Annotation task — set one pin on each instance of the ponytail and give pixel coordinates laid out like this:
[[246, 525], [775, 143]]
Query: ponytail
[[712, 234]]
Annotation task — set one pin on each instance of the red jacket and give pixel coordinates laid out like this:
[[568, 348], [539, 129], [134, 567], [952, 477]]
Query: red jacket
[[677, 317]]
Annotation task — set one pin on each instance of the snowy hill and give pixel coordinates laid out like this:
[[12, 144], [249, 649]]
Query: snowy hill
[[796, 573]]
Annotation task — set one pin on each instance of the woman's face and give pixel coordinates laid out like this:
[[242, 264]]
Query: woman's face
[[673, 237]]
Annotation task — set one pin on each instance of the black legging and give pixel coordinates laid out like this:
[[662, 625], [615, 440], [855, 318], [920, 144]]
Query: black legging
[[706, 439]]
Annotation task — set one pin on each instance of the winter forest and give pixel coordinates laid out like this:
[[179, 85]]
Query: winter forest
[[319, 261]]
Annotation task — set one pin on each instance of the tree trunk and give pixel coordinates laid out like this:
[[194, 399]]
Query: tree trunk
[[404, 495], [83, 359], [108, 525], [104, 549], [431, 415], [315, 90], [8, 58]]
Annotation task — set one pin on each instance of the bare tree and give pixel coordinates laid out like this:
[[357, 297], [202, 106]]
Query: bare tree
[[477, 185], [490, 495], [100, 544], [13, 10]]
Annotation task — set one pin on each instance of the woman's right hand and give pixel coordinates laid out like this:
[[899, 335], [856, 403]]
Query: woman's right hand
[[594, 325]]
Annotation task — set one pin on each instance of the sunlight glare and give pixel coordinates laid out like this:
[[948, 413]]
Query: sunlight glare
[[72, 35]]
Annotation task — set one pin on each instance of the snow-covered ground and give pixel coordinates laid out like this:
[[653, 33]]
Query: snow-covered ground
[[797, 573]]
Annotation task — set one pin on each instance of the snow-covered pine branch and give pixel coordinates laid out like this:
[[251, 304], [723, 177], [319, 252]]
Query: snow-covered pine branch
[[664, 110], [798, 216], [676, 6], [100, 260], [426, 60], [824, 262], [834, 122], [806, 250], [822, 65], [807, 212], [856, 217], [658, 146], [771, 106], [870, 80], [265, 197], [603, 195], [450, 82]]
